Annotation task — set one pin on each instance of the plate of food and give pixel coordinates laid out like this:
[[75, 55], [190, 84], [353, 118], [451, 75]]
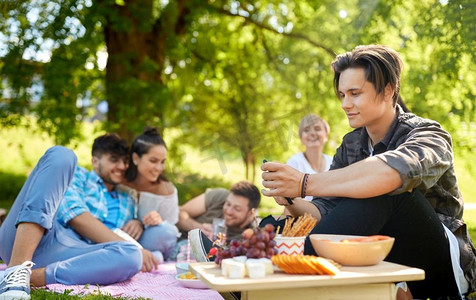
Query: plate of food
[[181, 267], [188, 279]]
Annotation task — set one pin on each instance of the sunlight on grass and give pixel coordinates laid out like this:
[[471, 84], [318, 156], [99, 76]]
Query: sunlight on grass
[[466, 181], [23, 148], [469, 217], [231, 170]]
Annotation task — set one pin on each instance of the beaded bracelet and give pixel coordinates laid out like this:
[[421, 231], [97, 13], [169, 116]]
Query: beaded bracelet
[[304, 185]]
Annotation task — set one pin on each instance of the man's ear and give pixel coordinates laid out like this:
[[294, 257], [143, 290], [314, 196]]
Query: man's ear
[[389, 92], [95, 162]]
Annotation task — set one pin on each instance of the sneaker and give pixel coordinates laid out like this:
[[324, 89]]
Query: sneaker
[[403, 292], [16, 283], [200, 245]]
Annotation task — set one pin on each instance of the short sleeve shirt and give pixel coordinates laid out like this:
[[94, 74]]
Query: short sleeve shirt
[[299, 162], [214, 201]]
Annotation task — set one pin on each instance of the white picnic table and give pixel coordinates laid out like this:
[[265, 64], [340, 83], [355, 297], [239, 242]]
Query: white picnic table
[[370, 282]]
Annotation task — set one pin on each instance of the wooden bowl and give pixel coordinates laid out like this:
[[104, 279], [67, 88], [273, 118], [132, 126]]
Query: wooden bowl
[[352, 252]]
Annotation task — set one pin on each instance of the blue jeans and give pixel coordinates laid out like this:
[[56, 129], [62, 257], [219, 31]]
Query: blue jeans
[[162, 237], [68, 259]]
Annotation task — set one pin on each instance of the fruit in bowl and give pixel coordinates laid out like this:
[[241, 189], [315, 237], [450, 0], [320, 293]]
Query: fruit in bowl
[[352, 250], [189, 280]]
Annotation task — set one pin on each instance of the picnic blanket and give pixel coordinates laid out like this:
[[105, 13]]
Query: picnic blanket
[[158, 284]]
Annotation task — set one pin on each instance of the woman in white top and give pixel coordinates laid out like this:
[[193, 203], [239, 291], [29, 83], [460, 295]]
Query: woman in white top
[[314, 133], [156, 197]]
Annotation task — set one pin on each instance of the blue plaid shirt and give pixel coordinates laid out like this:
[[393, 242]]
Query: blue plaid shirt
[[87, 193]]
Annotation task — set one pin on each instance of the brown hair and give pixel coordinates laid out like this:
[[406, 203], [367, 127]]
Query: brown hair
[[248, 190], [110, 143], [382, 65]]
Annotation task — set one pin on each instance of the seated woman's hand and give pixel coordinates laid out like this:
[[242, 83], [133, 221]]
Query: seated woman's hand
[[152, 218], [281, 180], [133, 228]]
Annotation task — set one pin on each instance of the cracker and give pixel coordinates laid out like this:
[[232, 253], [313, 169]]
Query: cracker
[[305, 264]]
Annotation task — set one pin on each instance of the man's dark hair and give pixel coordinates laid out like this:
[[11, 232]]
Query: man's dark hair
[[382, 65], [248, 190], [110, 143]]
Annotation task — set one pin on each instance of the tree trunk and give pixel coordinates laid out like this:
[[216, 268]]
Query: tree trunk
[[137, 50], [250, 163]]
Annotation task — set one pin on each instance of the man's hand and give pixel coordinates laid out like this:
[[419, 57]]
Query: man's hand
[[281, 201], [149, 262], [281, 180], [134, 228], [152, 218]]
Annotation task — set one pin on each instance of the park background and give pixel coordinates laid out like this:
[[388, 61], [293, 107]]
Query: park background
[[226, 82]]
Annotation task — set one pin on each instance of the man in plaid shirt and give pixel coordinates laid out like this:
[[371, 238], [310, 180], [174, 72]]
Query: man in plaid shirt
[[79, 247], [392, 175]]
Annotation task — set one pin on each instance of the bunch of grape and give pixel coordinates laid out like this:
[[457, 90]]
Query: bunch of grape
[[254, 243]]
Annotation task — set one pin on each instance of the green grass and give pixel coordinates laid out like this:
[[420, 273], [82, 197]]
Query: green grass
[[41, 294], [469, 217]]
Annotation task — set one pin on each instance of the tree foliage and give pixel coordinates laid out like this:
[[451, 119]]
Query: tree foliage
[[234, 76]]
